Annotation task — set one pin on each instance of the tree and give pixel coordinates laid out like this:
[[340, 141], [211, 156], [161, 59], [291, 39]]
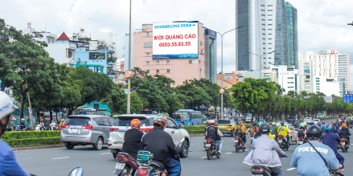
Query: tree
[[192, 96]]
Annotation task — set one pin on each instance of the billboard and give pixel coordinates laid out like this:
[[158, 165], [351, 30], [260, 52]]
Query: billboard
[[175, 40]]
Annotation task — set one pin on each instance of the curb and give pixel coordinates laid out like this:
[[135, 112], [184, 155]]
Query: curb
[[39, 147]]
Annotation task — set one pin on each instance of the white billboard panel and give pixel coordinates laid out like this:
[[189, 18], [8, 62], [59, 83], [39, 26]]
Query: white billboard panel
[[175, 40]]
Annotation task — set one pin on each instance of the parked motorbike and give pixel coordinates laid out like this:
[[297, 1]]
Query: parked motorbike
[[126, 166], [344, 144], [258, 170], [147, 166], [283, 144], [239, 143], [211, 149]]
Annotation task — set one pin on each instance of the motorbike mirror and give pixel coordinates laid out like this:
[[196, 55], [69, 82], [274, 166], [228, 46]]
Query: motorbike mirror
[[78, 171]]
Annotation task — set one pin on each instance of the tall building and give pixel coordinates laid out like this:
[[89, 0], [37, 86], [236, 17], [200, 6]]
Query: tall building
[[182, 50], [322, 68], [264, 38]]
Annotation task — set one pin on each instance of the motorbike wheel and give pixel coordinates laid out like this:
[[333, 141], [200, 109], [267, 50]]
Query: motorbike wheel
[[237, 148], [218, 155], [209, 154]]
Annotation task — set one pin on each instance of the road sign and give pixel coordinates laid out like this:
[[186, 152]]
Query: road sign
[[348, 98]]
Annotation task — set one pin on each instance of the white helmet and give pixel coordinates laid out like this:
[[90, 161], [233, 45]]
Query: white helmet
[[6, 105]]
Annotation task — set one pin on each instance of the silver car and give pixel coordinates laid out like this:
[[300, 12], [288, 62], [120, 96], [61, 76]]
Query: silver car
[[86, 130]]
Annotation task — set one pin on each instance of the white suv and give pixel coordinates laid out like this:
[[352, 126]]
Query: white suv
[[122, 124]]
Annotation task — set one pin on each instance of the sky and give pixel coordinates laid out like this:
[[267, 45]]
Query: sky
[[322, 24]]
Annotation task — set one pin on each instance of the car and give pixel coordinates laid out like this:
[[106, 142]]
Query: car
[[308, 119], [86, 130], [122, 124], [226, 126], [292, 120], [317, 121]]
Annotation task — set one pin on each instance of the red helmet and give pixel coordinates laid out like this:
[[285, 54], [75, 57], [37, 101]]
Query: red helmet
[[212, 122], [160, 121], [135, 123], [344, 125]]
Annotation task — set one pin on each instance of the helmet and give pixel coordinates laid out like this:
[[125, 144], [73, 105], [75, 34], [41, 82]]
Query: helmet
[[302, 124], [6, 108], [344, 125], [212, 122], [6, 105], [314, 132], [329, 128], [259, 123], [282, 123], [160, 121], [135, 123], [273, 123], [264, 128]]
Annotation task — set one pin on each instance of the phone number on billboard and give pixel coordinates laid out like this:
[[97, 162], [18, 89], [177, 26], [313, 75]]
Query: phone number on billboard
[[172, 44]]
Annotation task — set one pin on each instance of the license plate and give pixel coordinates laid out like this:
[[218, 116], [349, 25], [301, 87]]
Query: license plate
[[208, 145], [74, 130], [300, 142], [343, 143], [119, 166], [236, 141], [280, 140]]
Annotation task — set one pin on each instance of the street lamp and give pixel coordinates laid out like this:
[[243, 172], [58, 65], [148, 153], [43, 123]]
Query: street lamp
[[129, 65], [260, 59], [222, 88]]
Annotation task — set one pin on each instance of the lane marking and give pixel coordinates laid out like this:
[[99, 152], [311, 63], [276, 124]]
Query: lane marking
[[64, 157], [290, 169], [106, 153], [228, 153], [204, 157]]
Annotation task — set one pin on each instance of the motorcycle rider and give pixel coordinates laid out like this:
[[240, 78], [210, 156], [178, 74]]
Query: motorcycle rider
[[332, 139], [335, 127], [240, 129], [283, 130], [132, 138], [266, 152], [309, 162], [302, 130], [215, 134], [344, 132], [161, 145], [274, 129], [8, 163]]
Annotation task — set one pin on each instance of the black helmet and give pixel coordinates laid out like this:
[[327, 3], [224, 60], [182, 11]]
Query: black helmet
[[264, 128], [314, 132]]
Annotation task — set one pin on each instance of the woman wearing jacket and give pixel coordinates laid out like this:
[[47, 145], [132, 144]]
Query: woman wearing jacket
[[266, 152]]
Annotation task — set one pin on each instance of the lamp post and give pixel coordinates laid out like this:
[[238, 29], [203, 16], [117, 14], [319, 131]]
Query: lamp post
[[129, 65], [260, 57], [221, 91]]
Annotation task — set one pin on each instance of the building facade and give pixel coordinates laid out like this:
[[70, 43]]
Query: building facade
[[178, 50], [265, 37]]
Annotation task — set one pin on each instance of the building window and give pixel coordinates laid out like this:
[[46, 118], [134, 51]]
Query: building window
[[168, 61], [147, 34], [147, 62], [157, 62], [200, 43], [147, 45], [148, 71], [157, 71], [148, 53], [168, 70], [190, 61]]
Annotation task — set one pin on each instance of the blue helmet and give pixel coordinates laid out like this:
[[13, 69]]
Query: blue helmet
[[282, 123], [329, 128]]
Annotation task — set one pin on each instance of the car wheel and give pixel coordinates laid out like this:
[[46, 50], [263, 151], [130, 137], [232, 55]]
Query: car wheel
[[185, 149], [99, 144], [69, 146]]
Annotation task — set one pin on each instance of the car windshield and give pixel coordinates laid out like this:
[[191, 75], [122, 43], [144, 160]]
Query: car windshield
[[83, 121], [223, 122], [125, 121]]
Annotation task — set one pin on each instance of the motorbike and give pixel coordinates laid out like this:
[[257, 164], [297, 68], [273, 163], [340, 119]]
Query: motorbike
[[78, 171], [335, 173], [211, 149], [239, 143], [147, 166], [258, 170], [126, 165], [344, 144], [283, 144]]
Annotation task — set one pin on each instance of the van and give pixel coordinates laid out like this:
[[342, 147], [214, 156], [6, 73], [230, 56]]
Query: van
[[86, 130]]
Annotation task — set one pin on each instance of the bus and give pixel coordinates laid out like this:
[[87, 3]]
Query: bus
[[188, 117]]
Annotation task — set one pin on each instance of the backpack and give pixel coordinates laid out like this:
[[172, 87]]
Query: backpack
[[212, 132]]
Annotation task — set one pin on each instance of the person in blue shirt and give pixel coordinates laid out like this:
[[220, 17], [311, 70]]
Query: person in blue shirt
[[308, 161], [8, 163], [332, 140]]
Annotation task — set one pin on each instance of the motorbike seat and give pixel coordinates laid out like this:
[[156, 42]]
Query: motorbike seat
[[157, 164], [129, 155]]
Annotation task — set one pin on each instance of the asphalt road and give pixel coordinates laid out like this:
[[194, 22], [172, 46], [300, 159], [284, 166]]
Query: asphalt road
[[59, 161]]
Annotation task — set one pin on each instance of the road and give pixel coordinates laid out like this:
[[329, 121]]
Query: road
[[59, 161]]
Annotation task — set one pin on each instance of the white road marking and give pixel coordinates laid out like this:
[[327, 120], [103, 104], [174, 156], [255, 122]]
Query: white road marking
[[204, 157], [106, 153], [64, 157], [228, 153], [290, 169]]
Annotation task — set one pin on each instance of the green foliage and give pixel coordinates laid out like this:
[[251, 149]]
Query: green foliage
[[199, 129], [31, 138]]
